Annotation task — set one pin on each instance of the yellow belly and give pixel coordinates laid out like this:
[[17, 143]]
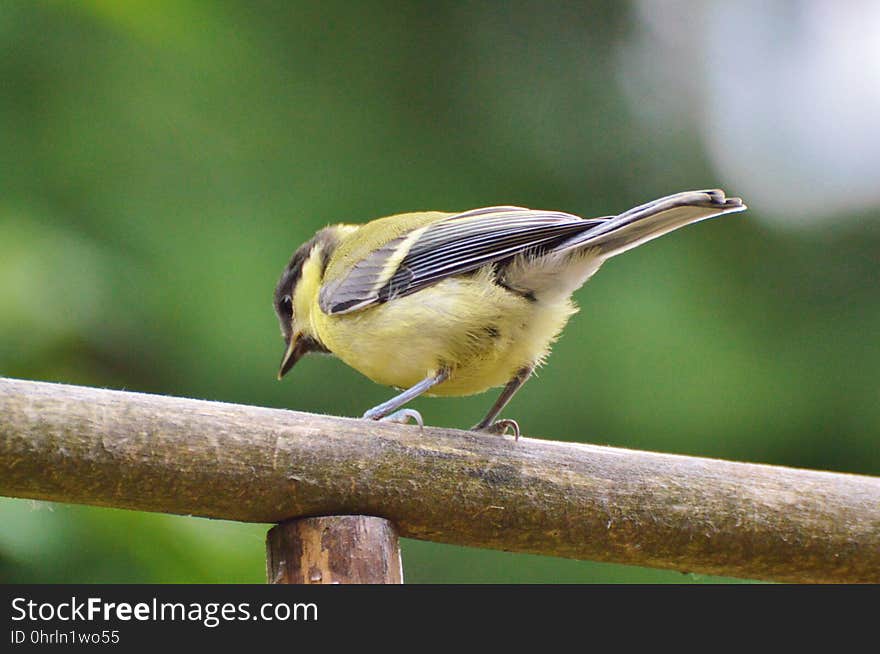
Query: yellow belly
[[482, 333]]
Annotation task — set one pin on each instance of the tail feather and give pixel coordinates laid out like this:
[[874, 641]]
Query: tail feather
[[652, 220]]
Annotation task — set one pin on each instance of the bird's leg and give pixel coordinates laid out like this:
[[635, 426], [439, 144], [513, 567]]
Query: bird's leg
[[387, 411], [501, 426]]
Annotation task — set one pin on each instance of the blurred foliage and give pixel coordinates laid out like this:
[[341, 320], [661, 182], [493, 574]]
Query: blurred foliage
[[159, 162]]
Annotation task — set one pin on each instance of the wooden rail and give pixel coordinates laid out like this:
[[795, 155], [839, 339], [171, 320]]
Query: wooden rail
[[191, 457]]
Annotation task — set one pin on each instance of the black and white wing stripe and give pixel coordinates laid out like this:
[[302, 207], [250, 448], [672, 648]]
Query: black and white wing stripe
[[454, 245]]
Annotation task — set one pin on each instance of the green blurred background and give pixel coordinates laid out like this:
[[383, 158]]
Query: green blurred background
[[160, 161]]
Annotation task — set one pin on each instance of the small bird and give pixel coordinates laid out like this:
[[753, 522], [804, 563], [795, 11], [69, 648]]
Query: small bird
[[452, 304]]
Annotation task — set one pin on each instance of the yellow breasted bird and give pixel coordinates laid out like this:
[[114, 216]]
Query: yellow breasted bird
[[456, 303]]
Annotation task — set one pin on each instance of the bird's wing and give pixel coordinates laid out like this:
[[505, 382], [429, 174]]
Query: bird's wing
[[451, 246]]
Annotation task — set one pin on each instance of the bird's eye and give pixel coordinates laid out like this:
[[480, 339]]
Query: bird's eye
[[286, 305]]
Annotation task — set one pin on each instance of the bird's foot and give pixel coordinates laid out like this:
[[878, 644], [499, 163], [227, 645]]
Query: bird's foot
[[501, 427], [402, 417]]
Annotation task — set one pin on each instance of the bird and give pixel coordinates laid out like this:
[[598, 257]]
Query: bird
[[455, 303]]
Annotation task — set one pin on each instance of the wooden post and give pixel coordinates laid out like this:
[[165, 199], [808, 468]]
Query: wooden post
[[342, 549]]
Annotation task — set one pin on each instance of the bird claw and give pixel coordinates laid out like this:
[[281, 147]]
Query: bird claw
[[500, 427], [402, 417]]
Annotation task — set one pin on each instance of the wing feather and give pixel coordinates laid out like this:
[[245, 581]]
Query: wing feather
[[452, 246]]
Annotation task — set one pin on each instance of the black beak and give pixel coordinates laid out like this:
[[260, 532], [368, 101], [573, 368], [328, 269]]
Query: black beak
[[295, 350]]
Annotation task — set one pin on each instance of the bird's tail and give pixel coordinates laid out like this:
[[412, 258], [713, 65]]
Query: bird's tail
[[649, 221]]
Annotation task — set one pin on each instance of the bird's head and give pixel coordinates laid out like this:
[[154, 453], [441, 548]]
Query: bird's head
[[295, 293]]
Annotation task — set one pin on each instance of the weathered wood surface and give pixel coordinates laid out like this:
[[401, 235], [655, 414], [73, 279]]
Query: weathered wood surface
[[343, 549], [155, 453]]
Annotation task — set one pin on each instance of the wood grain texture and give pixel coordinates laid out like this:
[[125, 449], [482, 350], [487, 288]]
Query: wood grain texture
[[155, 453], [344, 549]]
